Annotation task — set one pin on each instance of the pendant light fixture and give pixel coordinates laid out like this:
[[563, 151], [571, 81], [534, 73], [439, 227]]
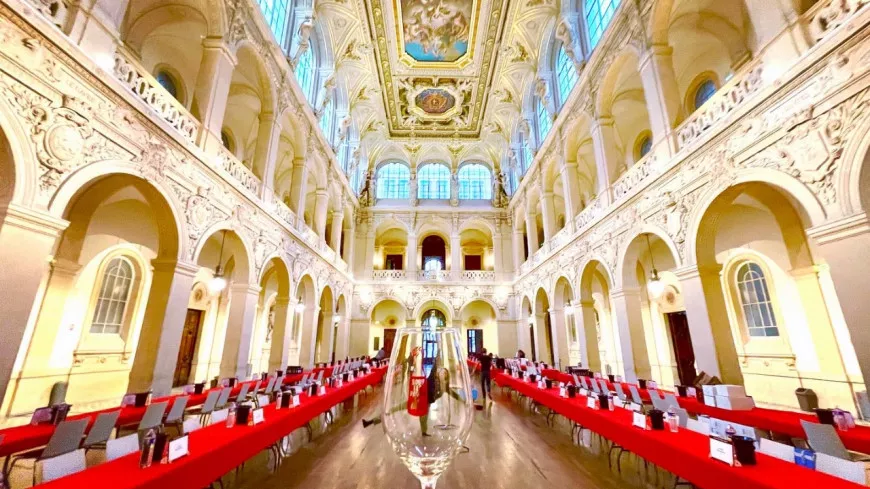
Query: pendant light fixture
[[655, 286], [218, 283]]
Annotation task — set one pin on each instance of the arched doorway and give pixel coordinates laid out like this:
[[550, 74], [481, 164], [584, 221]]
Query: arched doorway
[[434, 252], [304, 317], [325, 324], [543, 329], [479, 329], [386, 317]]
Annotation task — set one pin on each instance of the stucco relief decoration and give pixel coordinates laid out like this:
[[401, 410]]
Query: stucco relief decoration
[[435, 101], [436, 30]]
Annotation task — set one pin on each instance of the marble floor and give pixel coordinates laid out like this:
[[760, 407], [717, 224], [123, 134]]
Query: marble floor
[[510, 448]]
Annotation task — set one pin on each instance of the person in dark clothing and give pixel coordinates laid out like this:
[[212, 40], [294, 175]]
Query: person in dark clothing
[[521, 354], [485, 363]]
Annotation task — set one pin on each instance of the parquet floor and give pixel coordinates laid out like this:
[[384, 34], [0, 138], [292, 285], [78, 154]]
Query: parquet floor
[[510, 448]]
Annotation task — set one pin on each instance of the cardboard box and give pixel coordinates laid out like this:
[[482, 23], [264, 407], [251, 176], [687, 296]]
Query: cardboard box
[[734, 403], [730, 390]]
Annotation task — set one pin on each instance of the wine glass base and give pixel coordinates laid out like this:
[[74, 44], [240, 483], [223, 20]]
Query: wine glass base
[[446, 427]]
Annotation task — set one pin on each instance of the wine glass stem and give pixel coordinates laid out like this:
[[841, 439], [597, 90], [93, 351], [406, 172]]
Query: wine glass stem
[[428, 482]]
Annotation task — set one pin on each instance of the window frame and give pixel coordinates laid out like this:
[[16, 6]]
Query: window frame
[[481, 174], [566, 74], [387, 166], [440, 184], [603, 17], [764, 304], [642, 138], [307, 81], [174, 78], [271, 14], [543, 123]]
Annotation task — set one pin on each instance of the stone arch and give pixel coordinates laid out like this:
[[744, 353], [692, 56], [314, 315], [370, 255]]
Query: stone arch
[[435, 302], [852, 181], [798, 194], [628, 251], [247, 266], [17, 162]]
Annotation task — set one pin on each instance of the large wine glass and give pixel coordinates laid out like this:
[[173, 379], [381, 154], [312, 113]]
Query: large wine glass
[[428, 410]]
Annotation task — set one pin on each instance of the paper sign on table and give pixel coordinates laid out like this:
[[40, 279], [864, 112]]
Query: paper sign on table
[[128, 400], [584, 392], [295, 400], [563, 392], [651, 384], [590, 403], [258, 416], [722, 451], [691, 392], [638, 420], [636, 407], [178, 448]]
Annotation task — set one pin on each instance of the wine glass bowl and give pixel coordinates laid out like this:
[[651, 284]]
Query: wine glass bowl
[[428, 410]]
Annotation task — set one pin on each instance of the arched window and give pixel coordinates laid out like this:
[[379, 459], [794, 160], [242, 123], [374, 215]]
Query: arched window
[[393, 181], [527, 156], [227, 141], [475, 182], [117, 281], [433, 182], [167, 81], [433, 318], [277, 16], [598, 14], [705, 90], [305, 74], [566, 75], [643, 146], [755, 300], [326, 121], [544, 122]]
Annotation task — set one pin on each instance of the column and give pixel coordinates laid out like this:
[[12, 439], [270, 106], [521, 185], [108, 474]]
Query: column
[[160, 337], [709, 326], [519, 251], [240, 330], [661, 93], [266, 152], [531, 231], [411, 256], [455, 256], [627, 307], [322, 346], [842, 244], [779, 33], [495, 252], [548, 213], [335, 232], [607, 158], [560, 337], [369, 250], [321, 206], [306, 344], [585, 319], [299, 187], [27, 239], [211, 91], [95, 25], [349, 234], [282, 334], [571, 189]]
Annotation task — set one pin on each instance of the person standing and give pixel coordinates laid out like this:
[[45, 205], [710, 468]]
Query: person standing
[[484, 363]]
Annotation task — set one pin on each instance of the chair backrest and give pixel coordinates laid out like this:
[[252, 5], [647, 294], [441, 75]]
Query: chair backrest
[[58, 393], [269, 385], [659, 403], [63, 465], [304, 379], [263, 400], [224, 397], [863, 404], [177, 411], [698, 426], [243, 392], [682, 416], [119, 447], [210, 401], [102, 428], [153, 415], [583, 383], [619, 391], [635, 395], [219, 416], [823, 438], [576, 380], [320, 377], [190, 425], [603, 385], [279, 383], [672, 400], [256, 388], [66, 438], [595, 386]]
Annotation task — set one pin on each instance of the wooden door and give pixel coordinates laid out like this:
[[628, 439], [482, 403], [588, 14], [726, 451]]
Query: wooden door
[[389, 339], [684, 353], [187, 347]]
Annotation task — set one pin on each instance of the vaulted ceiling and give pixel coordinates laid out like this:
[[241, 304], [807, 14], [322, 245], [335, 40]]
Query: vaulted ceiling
[[429, 79]]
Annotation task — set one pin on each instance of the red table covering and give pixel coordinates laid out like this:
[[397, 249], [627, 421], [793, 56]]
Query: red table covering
[[27, 437], [215, 450], [684, 453]]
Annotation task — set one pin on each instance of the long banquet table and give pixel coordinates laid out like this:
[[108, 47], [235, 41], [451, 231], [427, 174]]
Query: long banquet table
[[775, 420], [216, 449], [27, 437], [684, 453]]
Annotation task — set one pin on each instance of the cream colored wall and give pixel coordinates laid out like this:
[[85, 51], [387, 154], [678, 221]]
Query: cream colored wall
[[485, 317], [380, 318]]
